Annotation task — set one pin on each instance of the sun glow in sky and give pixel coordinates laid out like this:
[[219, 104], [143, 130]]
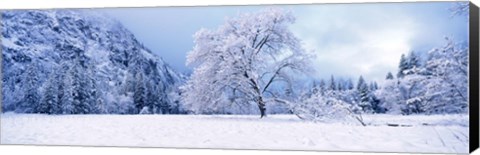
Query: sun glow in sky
[[349, 40]]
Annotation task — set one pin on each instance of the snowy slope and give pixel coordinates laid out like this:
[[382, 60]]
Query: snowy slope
[[51, 40], [284, 132]]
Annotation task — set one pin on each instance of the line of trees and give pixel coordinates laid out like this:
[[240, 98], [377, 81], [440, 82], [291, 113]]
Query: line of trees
[[69, 89], [74, 87], [247, 65], [254, 59], [439, 84], [436, 85]]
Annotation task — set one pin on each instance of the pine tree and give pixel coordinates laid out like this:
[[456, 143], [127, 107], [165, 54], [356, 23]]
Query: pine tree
[[332, 85], [413, 64], [50, 103], [402, 67], [30, 101], [322, 86], [154, 98], [349, 84], [366, 99], [101, 106], [81, 86], [93, 92], [389, 76], [413, 61], [364, 94], [139, 96], [360, 83], [373, 86], [65, 95], [340, 85], [315, 89]]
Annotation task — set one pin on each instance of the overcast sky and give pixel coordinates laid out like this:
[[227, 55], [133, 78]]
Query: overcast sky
[[349, 39]]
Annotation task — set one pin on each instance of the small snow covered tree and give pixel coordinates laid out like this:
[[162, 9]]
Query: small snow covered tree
[[140, 92], [101, 106], [389, 76], [413, 60], [322, 86], [402, 66], [391, 97], [340, 86], [50, 103], [329, 107], [243, 59], [65, 95], [332, 84], [154, 99], [31, 99], [360, 83], [83, 98], [412, 90], [315, 88], [349, 84], [364, 96]]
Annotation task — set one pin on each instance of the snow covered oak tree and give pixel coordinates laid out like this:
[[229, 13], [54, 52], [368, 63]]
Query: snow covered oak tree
[[243, 60]]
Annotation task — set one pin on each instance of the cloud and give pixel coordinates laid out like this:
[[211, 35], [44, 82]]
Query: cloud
[[354, 40], [349, 39], [368, 39]]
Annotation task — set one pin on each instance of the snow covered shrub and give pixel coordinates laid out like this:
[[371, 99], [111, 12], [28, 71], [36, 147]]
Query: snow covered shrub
[[327, 108], [390, 97], [145, 110]]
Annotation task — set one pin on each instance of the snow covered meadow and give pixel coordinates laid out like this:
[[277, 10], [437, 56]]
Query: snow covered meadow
[[442, 133], [79, 77]]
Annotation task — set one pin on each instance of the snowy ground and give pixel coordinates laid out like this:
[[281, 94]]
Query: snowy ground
[[446, 134]]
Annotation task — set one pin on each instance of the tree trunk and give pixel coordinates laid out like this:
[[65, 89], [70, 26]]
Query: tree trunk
[[261, 106]]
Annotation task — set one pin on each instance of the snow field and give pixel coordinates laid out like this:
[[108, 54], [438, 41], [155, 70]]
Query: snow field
[[444, 134]]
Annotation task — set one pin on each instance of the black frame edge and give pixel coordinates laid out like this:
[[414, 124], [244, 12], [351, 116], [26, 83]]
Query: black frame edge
[[474, 77]]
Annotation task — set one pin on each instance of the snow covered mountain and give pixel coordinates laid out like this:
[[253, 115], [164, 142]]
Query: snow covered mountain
[[79, 62]]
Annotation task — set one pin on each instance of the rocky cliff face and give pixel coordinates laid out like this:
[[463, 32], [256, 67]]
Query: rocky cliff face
[[80, 61]]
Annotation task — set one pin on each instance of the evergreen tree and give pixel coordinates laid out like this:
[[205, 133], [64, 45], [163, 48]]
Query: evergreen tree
[[50, 103], [65, 95], [315, 88], [154, 99], [373, 86], [360, 83], [389, 76], [101, 106], [81, 85], [332, 83], [30, 101], [402, 67], [349, 84], [79, 93], [339, 86], [94, 93], [413, 61], [364, 94], [139, 96], [322, 86]]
